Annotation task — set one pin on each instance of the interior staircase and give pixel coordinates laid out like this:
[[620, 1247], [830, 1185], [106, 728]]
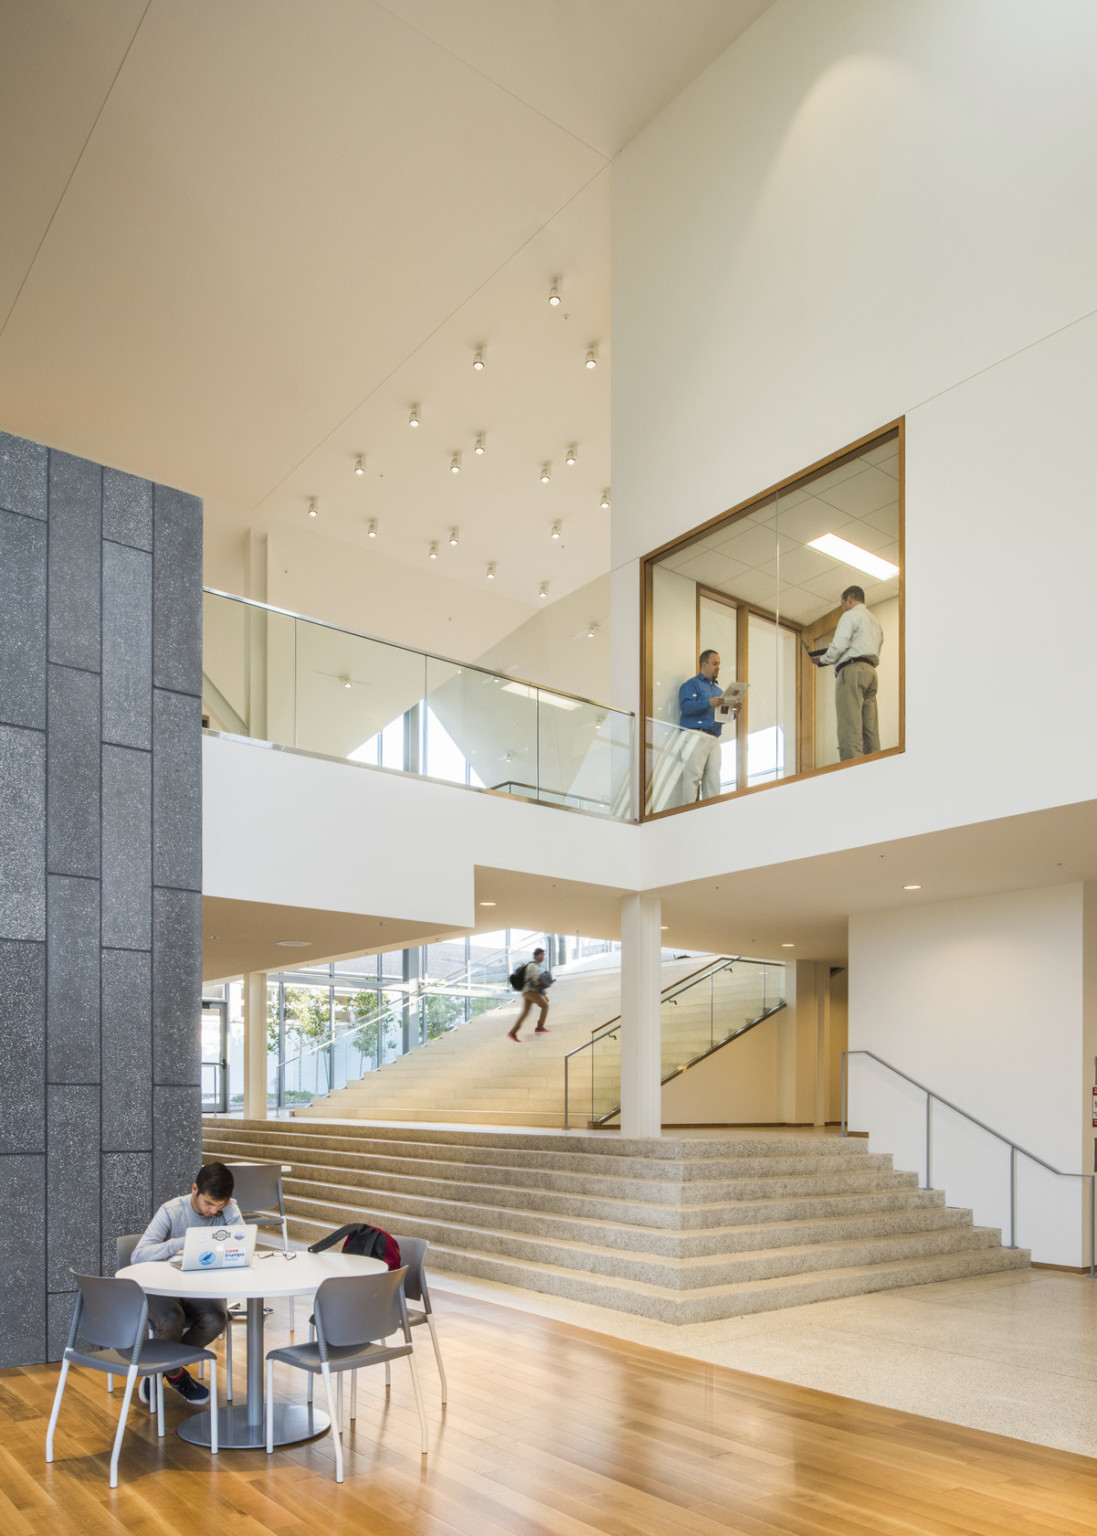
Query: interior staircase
[[683, 1230]]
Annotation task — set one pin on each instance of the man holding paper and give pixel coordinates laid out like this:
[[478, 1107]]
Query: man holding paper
[[698, 702]]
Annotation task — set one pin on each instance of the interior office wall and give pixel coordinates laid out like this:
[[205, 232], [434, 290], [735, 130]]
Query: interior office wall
[[856, 221], [100, 848], [981, 1000]]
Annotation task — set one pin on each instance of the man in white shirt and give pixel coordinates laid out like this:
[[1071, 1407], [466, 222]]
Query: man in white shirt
[[854, 653]]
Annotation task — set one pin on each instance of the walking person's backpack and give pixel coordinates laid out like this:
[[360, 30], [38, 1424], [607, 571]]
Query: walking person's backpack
[[369, 1242], [517, 979]]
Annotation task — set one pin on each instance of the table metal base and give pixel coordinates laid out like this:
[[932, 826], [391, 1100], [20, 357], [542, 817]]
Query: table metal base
[[292, 1422]]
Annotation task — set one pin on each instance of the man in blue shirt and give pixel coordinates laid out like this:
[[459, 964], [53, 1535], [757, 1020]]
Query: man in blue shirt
[[696, 701]]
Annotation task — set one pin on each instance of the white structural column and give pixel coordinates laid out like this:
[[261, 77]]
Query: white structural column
[[641, 1026], [255, 1045]]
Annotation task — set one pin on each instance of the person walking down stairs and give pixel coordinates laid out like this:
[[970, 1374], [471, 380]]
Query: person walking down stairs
[[535, 983]]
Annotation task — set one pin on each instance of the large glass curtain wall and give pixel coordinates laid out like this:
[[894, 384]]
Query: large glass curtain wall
[[328, 1025], [762, 588]]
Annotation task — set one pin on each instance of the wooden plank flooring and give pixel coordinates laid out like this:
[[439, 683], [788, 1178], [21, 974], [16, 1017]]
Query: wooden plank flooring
[[550, 1431]]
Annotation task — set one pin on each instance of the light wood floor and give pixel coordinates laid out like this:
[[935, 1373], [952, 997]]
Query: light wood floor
[[550, 1431]]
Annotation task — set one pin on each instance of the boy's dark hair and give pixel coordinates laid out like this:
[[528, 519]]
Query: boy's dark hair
[[215, 1181]]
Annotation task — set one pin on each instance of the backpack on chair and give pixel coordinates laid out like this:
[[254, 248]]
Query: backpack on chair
[[369, 1242]]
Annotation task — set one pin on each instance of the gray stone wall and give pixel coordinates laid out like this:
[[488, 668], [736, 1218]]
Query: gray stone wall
[[100, 872]]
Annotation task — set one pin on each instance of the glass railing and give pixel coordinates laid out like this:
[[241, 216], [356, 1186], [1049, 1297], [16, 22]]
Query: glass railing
[[698, 1016], [300, 683]]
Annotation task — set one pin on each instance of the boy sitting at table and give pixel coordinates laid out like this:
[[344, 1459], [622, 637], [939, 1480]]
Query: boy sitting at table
[[188, 1319]]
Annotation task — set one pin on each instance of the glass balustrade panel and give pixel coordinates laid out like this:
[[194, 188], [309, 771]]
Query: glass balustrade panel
[[352, 691], [481, 729], [603, 1072], [248, 663], [583, 754]]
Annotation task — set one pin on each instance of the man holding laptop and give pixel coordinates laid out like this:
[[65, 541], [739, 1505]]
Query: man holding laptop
[[189, 1320]]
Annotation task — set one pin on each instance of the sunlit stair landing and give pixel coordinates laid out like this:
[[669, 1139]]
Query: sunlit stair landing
[[679, 1229]]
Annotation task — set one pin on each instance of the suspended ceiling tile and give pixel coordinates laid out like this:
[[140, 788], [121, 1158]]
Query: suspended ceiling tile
[[861, 493]]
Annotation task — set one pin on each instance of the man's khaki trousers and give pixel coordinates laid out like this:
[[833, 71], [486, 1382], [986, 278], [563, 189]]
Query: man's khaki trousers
[[855, 703]]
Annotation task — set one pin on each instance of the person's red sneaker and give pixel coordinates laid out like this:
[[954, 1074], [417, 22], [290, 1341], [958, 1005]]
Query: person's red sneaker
[[542, 1029], [511, 1035]]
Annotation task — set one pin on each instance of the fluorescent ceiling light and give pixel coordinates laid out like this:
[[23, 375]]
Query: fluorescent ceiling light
[[854, 555], [546, 698]]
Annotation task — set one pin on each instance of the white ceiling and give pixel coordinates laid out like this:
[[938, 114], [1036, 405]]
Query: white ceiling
[[858, 500], [240, 241]]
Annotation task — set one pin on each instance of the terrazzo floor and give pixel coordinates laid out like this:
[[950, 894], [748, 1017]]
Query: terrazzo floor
[[1013, 1353]]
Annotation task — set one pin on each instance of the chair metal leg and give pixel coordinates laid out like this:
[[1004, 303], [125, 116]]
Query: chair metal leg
[[437, 1354], [308, 1394], [213, 1446], [354, 1394], [270, 1407], [159, 1406], [335, 1440], [110, 1383], [131, 1377], [419, 1404], [285, 1249], [388, 1375], [228, 1363], [339, 1400], [56, 1409]]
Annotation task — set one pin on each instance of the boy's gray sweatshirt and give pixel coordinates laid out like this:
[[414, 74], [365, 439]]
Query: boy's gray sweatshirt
[[164, 1235]]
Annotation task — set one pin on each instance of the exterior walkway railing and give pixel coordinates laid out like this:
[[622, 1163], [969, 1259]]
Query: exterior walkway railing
[[1015, 1148], [297, 682]]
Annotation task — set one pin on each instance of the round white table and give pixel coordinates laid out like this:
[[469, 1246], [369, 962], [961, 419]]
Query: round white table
[[241, 1426]]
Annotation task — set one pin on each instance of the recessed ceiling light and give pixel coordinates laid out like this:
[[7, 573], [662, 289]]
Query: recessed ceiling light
[[788, 946], [359, 465], [491, 571], [455, 464], [604, 503], [478, 360], [413, 419], [479, 449], [546, 473], [572, 451], [554, 294], [294, 943], [313, 508], [852, 554], [434, 551], [665, 927], [592, 357], [487, 903], [454, 540], [912, 887]]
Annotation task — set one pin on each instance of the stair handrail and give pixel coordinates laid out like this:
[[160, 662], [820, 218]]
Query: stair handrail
[[1015, 1147], [668, 995]]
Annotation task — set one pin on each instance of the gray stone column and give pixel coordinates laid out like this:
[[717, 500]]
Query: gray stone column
[[100, 871]]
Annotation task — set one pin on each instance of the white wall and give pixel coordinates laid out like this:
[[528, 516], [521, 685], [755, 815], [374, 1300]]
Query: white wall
[[982, 1001], [861, 211]]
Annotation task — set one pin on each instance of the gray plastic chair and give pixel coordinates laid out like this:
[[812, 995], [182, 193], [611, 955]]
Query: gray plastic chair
[[349, 1313], [123, 1256], [413, 1254], [257, 1190], [112, 1315]]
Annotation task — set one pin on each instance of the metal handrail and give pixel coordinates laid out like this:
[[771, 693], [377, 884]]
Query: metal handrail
[[413, 650], [1014, 1148]]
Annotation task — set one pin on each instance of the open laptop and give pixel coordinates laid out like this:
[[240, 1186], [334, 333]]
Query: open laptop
[[227, 1247]]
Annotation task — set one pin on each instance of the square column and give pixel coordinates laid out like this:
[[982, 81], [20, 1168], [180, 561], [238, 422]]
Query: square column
[[255, 1045], [641, 1021]]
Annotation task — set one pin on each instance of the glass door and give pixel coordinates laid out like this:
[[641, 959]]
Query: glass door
[[215, 1063]]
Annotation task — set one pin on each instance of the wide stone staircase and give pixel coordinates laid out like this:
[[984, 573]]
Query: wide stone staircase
[[681, 1229]]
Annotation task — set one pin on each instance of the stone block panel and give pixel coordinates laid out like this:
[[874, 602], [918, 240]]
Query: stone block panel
[[22, 1283], [127, 1050], [127, 1199], [22, 621], [177, 577], [72, 1184], [23, 476], [23, 1030], [127, 849], [127, 509], [72, 833], [22, 833], [75, 522], [177, 791], [177, 987], [177, 1141], [72, 981], [127, 646]]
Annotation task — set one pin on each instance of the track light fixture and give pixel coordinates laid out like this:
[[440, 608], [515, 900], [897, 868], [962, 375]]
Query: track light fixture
[[360, 465], [455, 464], [371, 531], [480, 445], [313, 508], [590, 630], [592, 356], [546, 472], [604, 503], [413, 419], [478, 360], [345, 680], [453, 538], [491, 571], [556, 530], [572, 451], [543, 592], [554, 294], [434, 551]]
